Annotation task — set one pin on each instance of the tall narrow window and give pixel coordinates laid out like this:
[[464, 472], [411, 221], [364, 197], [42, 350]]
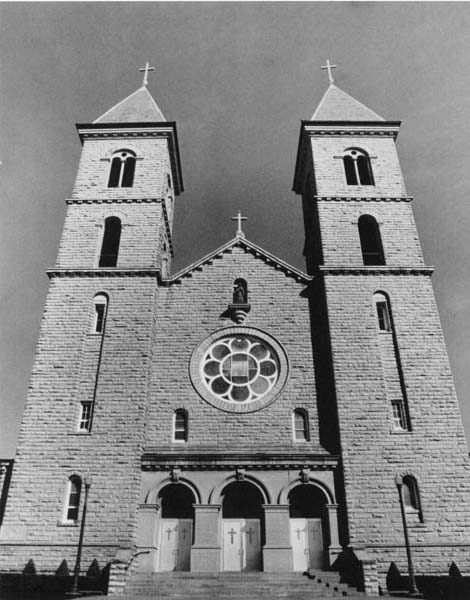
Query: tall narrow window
[[400, 422], [122, 169], [383, 313], [99, 317], [357, 167], [73, 499], [180, 431], [111, 239], [85, 416], [411, 495], [301, 432], [371, 242]]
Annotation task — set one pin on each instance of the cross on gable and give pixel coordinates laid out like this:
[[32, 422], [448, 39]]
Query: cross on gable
[[146, 70], [329, 68], [239, 218]]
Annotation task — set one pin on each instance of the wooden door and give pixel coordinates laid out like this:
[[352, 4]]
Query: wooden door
[[175, 544], [307, 544], [241, 545]]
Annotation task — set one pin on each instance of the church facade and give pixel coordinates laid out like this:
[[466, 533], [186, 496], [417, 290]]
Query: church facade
[[240, 415]]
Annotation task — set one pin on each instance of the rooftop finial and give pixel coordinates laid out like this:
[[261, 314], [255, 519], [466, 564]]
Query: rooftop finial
[[146, 70], [239, 218], [329, 67]]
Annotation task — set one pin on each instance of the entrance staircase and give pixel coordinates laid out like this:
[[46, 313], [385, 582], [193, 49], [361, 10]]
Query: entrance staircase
[[318, 585]]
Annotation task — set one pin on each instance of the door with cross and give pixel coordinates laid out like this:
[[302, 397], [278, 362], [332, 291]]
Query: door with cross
[[241, 545], [175, 544], [307, 543]]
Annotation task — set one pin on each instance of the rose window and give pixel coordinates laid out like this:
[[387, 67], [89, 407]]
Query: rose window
[[240, 369]]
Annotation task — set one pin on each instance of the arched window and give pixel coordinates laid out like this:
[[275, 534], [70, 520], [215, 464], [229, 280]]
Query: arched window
[[240, 292], [383, 312], [180, 429], [411, 495], [100, 303], [110, 245], [301, 430], [357, 167], [371, 242], [122, 169], [73, 498]]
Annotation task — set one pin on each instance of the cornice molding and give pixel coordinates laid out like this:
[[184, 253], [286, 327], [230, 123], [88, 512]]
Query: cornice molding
[[51, 273], [363, 198], [376, 270], [155, 460], [121, 200]]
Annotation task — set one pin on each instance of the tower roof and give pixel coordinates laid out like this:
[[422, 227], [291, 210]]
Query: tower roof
[[336, 105], [139, 107]]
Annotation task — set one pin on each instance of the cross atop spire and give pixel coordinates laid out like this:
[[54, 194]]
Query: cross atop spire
[[329, 67], [146, 70], [239, 218]]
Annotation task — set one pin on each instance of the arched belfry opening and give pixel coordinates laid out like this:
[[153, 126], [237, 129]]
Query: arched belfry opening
[[176, 527], [308, 526], [242, 527]]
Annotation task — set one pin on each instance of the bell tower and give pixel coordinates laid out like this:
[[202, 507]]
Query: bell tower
[[85, 412], [396, 408]]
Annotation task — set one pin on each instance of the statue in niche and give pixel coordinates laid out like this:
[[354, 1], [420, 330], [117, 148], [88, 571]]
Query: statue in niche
[[240, 292]]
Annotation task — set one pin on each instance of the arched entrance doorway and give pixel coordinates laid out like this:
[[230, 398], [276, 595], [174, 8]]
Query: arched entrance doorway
[[176, 527], [307, 514], [242, 527]]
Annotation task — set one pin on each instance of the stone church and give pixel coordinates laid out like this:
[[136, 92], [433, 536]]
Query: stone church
[[240, 415]]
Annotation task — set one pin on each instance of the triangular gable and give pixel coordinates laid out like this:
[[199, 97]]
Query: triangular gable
[[139, 107], [336, 105], [258, 252]]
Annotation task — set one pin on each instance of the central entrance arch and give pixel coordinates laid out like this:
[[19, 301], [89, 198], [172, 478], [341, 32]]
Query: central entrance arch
[[307, 513], [242, 527], [176, 527]]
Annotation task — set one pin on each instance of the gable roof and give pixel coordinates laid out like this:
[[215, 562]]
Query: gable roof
[[139, 107], [336, 105], [242, 242]]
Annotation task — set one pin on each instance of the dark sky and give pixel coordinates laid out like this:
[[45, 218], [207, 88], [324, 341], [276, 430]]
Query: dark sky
[[237, 78]]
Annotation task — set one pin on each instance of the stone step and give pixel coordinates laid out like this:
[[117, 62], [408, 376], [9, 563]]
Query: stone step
[[319, 585]]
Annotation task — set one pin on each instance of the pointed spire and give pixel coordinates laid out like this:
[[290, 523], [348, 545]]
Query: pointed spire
[[137, 108], [336, 105]]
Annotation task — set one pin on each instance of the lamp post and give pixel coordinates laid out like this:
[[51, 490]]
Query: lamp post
[[399, 484], [76, 572]]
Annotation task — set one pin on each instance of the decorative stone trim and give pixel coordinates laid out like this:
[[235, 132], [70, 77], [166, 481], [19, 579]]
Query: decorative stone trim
[[104, 273], [428, 271], [257, 251], [120, 200], [153, 459], [242, 407], [363, 198]]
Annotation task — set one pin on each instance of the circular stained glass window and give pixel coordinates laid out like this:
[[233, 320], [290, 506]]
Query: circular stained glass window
[[240, 369]]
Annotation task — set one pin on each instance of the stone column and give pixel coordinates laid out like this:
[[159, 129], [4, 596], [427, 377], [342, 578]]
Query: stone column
[[146, 539], [334, 548], [206, 550], [277, 551]]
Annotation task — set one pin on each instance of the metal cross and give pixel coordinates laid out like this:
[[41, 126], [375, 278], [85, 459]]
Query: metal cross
[[146, 70], [168, 532], [298, 532], [329, 67], [250, 532], [232, 532], [239, 218]]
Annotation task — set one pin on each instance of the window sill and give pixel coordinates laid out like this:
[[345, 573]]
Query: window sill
[[95, 334], [67, 523], [400, 431], [79, 433]]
